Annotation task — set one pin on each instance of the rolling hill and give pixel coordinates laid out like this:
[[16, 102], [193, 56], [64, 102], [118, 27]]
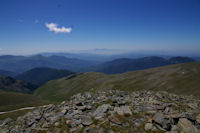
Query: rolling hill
[[126, 64], [178, 78], [41, 75], [10, 84]]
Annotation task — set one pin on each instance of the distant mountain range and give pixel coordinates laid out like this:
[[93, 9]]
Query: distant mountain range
[[10, 84], [126, 64], [12, 65], [41, 75], [104, 55], [19, 64]]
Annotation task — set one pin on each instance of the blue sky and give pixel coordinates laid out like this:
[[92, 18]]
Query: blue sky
[[33, 26]]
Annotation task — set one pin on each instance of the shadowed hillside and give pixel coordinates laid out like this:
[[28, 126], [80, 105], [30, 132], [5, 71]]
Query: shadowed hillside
[[40, 76], [179, 78], [10, 84]]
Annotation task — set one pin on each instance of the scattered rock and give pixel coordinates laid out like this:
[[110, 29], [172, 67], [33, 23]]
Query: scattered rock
[[111, 111]]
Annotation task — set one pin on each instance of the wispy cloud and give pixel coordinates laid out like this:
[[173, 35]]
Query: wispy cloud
[[54, 27], [36, 21], [20, 20]]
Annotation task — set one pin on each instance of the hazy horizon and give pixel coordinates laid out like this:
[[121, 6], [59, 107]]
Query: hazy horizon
[[111, 52]]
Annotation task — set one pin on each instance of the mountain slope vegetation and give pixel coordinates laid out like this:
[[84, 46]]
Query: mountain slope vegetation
[[15, 100], [41, 75], [178, 78]]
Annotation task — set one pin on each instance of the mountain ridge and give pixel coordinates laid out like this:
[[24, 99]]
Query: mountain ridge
[[171, 78], [122, 65]]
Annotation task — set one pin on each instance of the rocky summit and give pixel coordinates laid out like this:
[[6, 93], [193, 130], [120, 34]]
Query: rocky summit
[[112, 111]]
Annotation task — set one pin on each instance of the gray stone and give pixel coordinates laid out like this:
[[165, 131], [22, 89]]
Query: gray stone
[[118, 110], [174, 128], [198, 118], [123, 110], [57, 124], [86, 120], [148, 126], [126, 110], [158, 118], [186, 126], [101, 110], [115, 120]]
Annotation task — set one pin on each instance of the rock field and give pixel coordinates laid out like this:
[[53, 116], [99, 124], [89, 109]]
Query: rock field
[[112, 111]]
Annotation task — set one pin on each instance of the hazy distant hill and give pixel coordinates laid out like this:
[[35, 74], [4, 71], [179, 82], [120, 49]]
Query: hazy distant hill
[[7, 73], [103, 55], [178, 59], [40, 76], [126, 64], [21, 64], [178, 78], [10, 84]]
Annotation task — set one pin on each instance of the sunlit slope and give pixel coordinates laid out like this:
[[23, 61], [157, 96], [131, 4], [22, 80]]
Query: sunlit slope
[[14, 100], [179, 78]]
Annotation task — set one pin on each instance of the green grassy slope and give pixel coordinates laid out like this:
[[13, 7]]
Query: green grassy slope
[[179, 78], [12, 100]]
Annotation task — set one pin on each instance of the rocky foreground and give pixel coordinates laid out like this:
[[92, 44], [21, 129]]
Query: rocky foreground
[[112, 111]]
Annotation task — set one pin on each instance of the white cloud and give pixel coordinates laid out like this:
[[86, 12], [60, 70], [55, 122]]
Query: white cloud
[[54, 27]]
